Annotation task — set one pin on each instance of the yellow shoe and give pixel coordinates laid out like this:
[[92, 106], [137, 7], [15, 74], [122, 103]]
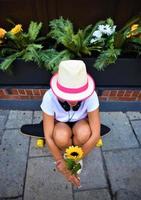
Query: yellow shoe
[[99, 143], [40, 143]]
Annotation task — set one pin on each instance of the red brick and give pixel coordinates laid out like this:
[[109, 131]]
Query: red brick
[[120, 92], [36, 97], [43, 91], [21, 92], [111, 98], [138, 98], [127, 98], [14, 91], [29, 92], [25, 97], [3, 97], [128, 93], [36, 92], [106, 93], [2, 92], [14, 97], [113, 93], [139, 94], [101, 98], [136, 93]]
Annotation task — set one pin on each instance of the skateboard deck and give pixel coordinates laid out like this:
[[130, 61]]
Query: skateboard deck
[[36, 130]]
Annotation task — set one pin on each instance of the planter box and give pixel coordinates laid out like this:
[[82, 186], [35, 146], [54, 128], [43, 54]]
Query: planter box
[[126, 72], [25, 73]]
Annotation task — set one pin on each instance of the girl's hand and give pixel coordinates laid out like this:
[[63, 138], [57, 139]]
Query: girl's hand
[[62, 168]]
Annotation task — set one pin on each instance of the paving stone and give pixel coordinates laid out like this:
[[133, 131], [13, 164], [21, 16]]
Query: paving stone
[[124, 170], [37, 116], [137, 128], [36, 151], [121, 135], [1, 134], [44, 182], [126, 195], [4, 112], [2, 121], [92, 175], [101, 194], [13, 157], [134, 115], [17, 118]]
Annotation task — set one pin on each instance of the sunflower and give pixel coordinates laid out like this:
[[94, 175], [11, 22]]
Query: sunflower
[[74, 153], [17, 29]]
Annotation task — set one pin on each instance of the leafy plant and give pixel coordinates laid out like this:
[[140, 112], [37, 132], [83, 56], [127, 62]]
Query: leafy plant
[[51, 58], [76, 44], [128, 39], [69, 43], [18, 44]]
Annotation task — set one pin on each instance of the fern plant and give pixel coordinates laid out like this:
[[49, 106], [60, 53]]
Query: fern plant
[[51, 58], [19, 44], [86, 41], [77, 43]]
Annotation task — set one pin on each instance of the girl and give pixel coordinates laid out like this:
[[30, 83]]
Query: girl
[[70, 113]]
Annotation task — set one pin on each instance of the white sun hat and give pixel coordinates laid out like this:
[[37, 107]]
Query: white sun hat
[[72, 83]]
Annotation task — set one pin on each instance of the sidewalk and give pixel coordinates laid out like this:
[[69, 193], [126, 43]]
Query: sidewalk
[[112, 172]]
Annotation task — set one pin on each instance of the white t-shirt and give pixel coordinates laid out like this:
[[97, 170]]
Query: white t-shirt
[[51, 106]]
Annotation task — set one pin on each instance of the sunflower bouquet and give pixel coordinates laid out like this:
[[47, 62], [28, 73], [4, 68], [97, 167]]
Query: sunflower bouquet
[[73, 156]]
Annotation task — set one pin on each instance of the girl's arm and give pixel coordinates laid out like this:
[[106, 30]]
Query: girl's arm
[[48, 125], [94, 123]]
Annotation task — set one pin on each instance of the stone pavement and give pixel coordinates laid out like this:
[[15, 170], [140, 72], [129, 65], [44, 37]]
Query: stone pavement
[[112, 172]]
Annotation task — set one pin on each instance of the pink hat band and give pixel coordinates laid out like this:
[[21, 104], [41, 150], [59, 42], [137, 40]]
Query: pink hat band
[[72, 90]]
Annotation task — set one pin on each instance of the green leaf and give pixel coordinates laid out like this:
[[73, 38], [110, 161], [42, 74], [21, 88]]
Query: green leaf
[[51, 58], [33, 30], [107, 57], [136, 40], [110, 21], [5, 65], [76, 168], [70, 163], [31, 53]]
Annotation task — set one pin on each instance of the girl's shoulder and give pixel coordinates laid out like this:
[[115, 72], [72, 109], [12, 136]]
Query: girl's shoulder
[[92, 97], [48, 94]]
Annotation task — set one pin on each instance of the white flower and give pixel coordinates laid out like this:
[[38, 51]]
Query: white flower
[[101, 28], [97, 34], [106, 29], [93, 40], [113, 29]]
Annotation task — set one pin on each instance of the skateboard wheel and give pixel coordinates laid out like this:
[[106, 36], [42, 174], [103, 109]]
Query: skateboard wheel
[[40, 143], [99, 143]]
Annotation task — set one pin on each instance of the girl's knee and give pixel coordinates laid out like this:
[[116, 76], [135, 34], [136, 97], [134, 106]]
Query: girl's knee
[[81, 134], [62, 137]]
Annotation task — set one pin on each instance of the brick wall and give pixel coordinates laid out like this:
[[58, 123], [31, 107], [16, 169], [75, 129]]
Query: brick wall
[[104, 94]]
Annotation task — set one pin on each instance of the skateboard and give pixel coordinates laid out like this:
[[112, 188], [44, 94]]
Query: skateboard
[[36, 130]]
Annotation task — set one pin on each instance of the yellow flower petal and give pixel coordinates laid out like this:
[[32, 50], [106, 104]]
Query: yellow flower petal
[[134, 27], [74, 152], [2, 32], [16, 29]]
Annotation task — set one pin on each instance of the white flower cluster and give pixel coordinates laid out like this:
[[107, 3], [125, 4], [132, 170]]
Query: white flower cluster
[[102, 29]]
